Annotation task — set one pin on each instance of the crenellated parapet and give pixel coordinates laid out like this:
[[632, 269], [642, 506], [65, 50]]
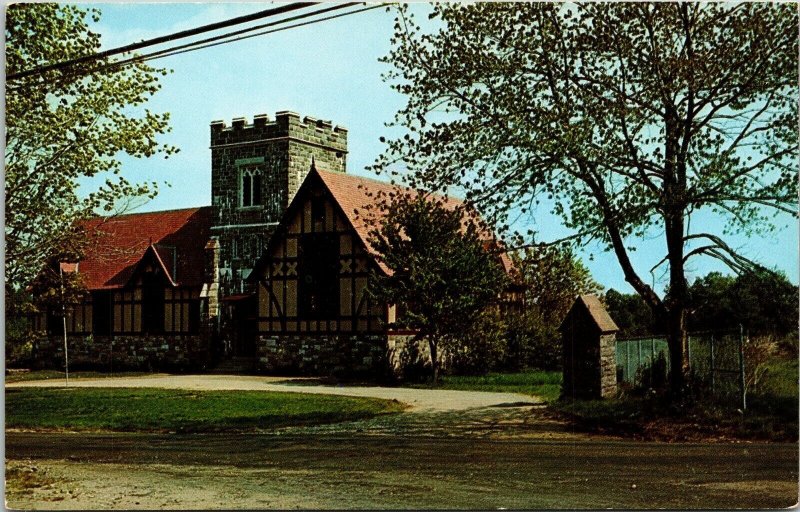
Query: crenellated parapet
[[286, 124]]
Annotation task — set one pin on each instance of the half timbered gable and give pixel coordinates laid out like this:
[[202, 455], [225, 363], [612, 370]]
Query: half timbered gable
[[313, 277]]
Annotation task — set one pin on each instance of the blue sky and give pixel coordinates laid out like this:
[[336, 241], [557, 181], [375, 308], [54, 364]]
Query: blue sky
[[329, 71]]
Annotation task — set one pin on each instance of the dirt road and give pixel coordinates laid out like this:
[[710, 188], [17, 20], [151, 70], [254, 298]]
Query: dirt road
[[420, 400], [457, 449], [130, 471]]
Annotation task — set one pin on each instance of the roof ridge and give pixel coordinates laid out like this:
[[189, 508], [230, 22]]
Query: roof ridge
[[132, 214], [388, 184], [357, 176]]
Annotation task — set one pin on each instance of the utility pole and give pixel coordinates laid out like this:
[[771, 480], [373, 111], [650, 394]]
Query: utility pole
[[64, 323], [742, 385]]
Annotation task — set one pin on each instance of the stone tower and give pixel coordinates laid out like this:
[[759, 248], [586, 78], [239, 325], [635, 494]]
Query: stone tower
[[255, 171]]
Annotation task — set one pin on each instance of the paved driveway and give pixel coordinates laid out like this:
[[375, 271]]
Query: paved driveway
[[420, 400]]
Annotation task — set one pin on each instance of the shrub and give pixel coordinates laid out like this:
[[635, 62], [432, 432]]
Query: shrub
[[758, 353], [532, 343], [19, 343], [654, 374], [788, 345], [414, 366], [481, 348]]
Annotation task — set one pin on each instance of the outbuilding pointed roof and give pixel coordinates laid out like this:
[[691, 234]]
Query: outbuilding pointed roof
[[595, 310]]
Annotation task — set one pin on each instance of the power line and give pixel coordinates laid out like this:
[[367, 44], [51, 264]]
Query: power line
[[162, 39], [215, 41], [228, 38]]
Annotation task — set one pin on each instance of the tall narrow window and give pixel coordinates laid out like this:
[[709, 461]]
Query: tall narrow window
[[152, 304], [78, 318], [318, 213], [127, 314], [251, 187], [101, 313], [181, 310], [247, 190], [319, 276], [256, 188]]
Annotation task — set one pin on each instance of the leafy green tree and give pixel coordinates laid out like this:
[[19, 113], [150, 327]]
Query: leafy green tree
[[552, 277], [631, 314], [441, 275], [763, 302], [624, 119], [481, 346], [64, 126]]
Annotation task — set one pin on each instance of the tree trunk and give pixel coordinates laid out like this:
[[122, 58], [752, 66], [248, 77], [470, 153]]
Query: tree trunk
[[678, 355], [677, 296], [434, 360]]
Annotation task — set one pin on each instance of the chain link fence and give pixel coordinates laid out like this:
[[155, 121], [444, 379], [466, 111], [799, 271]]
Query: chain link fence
[[640, 361], [717, 362]]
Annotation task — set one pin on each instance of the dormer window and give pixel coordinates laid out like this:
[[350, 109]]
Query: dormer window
[[250, 191]]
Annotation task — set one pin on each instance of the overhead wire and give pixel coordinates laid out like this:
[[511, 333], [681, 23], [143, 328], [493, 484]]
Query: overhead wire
[[162, 39], [229, 38]]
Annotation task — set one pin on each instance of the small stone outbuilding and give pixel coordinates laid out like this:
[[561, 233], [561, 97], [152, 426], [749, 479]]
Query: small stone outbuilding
[[589, 350]]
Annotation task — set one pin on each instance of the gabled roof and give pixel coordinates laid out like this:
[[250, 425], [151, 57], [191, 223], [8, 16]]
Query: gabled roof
[[152, 254], [354, 194], [596, 312], [176, 238]]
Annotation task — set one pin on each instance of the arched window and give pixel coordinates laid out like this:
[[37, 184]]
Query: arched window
[[250, 191]]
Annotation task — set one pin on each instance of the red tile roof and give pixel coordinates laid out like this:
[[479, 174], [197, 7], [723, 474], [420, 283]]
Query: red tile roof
[[179, 237], [356, 193], [119, 243]]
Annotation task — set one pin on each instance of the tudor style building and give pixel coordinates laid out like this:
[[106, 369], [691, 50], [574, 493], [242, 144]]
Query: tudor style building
[[314, 312], [147, 283], [273, 273], [169, 288]]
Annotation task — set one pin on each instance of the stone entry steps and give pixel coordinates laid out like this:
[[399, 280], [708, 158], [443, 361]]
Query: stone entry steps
[[235, 366]]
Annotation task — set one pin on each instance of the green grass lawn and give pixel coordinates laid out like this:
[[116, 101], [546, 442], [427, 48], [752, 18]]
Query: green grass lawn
[[128, 409], [22, 376], [544, 384]]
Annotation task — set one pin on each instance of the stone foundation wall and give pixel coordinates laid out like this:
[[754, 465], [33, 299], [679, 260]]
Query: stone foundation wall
[[116, 353], [357, 355]]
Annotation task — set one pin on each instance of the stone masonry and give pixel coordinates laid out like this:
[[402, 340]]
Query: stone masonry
[[608, 365], [280, 152], [349, 355], [116, 353], [385, 356], [589, 351]]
